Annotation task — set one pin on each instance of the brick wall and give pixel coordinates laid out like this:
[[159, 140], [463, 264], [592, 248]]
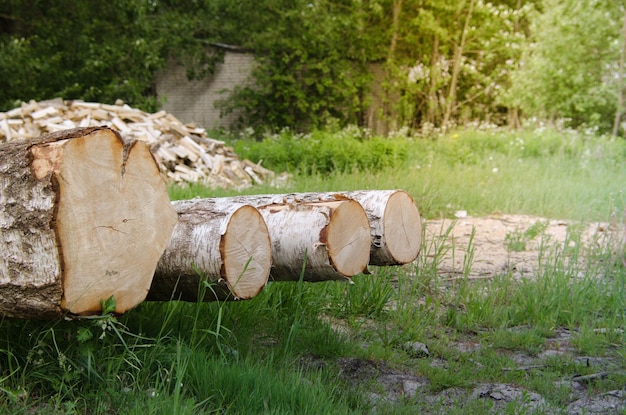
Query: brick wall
[[194, 101]]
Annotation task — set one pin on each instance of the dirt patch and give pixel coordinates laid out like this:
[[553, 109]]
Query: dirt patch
[[515, 244], [495, 245]]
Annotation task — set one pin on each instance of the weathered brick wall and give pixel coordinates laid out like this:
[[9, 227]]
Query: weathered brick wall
[[194, 101]]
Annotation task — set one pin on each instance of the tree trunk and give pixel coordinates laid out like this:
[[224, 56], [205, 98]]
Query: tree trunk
[[395, 23], [433, 101], [395, 225], [84, 216], [620, 83], [321, 241], [456, 67], [223, 244], [394, 220]]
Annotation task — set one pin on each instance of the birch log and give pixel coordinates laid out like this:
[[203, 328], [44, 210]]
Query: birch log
[[395, 225], [322, 240], [225, 245], [394, 220], [84, 216]]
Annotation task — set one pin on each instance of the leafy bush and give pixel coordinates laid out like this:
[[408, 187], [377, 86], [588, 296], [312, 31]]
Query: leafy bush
[[471, 147], [324, 151]]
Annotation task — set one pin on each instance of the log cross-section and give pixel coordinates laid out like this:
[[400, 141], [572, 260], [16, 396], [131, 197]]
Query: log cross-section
[[84, 216], [317, 241], [226, 247]]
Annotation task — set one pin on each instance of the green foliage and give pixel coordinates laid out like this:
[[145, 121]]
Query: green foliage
[[308, 70], [324, 151], [517, 240], [429, 46], [108, 305], [99, 51], [256, 387], [367, 296], [319, 61], [569, 68], [563, 294]]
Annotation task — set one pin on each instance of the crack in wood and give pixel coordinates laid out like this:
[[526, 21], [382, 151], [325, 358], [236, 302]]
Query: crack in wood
[[111, 227]]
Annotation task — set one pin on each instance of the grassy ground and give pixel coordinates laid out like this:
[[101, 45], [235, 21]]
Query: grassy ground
[[547, 173], [282, 351]]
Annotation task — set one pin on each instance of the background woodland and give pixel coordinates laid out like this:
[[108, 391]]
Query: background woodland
[[443, 62]]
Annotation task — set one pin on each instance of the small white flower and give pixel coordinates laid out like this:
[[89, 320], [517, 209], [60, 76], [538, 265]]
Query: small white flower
[[495, 170]]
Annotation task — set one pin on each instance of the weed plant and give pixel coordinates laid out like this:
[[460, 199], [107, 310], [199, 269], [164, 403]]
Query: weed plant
[[322, 152]]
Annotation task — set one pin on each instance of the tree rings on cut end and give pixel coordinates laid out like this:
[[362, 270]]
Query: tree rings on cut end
[[402, 228], [218, 251], [113, 219], [317, 241], [348, 238], [246, 253]]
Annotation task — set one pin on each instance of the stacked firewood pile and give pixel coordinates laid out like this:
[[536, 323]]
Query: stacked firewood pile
[[184, 152]]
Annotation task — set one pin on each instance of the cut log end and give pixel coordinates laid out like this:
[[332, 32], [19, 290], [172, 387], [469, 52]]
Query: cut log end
[[348, 238], [246, 253], [225, 246], [85, 217], [317, 241], [402, 227], [114, 219]]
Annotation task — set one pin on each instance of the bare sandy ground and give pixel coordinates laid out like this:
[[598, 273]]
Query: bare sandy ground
[[483, 240]]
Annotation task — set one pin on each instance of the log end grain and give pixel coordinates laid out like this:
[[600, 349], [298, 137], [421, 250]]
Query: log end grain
[[113, 219], [217, 252], [347, 238], [402, 228], [317, 241], [246, 253]]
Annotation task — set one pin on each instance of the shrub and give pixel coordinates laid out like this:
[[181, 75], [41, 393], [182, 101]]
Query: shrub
[[324, 152]]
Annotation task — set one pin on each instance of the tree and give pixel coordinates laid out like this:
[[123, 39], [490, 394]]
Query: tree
[[620, 82], [98, 50], [452, 59], [311, 64], [570, 68], [456, 64]]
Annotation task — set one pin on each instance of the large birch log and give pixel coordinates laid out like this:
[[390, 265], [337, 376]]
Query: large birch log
[[84, 216], [226, 246], [320, 240], [394, 220]]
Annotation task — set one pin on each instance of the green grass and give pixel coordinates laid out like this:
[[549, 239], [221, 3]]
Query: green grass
[[281, 351], [565, 175]]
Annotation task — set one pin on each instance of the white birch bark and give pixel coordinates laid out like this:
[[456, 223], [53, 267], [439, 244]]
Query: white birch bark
[[317, 241], [226, 246], [394, 220], [83, 216]]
